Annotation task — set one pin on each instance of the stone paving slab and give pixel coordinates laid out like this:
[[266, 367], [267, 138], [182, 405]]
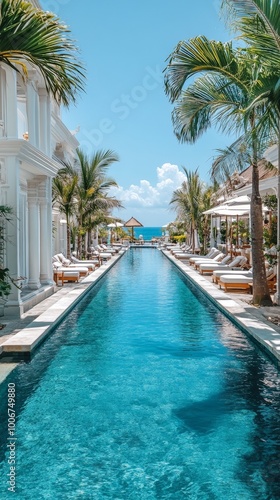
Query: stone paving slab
[[252, 320]]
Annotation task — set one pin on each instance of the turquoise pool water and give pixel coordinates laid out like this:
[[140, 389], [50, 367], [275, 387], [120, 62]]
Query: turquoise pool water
[[145, 392]]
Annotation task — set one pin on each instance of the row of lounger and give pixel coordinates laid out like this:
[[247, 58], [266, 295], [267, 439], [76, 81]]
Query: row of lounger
[[229, 273], [72, 270]]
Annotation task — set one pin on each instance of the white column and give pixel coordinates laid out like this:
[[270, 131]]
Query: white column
[[12, 306], [45, 232], [10, 111], [32, 107], [44, 121], [23, 230], [34, 236]]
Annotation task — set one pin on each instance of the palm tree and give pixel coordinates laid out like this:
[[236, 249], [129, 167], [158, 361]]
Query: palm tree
[[64, 191], [225, 97], [188, 202], [91, 190], [30, 36], [207, 203], [258, 21]]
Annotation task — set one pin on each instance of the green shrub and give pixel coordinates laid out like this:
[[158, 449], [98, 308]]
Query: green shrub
[[180, 238]]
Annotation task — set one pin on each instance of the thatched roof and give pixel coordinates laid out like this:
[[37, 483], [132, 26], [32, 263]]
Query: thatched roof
[[133, 223]]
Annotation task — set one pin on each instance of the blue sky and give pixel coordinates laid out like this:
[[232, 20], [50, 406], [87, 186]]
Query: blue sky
[[124, 45]]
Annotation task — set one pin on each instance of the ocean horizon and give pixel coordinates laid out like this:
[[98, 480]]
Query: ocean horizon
[[148, 232]]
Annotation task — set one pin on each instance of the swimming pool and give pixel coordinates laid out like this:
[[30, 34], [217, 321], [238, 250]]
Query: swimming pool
[[146, 391]]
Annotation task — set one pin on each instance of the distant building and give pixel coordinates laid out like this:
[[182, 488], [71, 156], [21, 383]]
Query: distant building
[[240, 184]]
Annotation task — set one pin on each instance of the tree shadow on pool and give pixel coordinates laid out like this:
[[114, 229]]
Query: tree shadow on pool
[[202, 416], [254, 387]]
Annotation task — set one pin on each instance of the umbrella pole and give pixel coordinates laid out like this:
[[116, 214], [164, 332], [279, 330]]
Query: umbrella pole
[[226, 235], [237, 235]]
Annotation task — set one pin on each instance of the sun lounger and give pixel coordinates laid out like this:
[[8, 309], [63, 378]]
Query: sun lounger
[[179, 249], [60, 262], [103, 248], [240, 281], [184, 256], [90, 264], [219, 258], [218, 273], [211, 255], [65, 275], [187, 255], [238, 262]]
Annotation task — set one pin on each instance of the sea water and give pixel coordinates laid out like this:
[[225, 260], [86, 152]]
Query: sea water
[[148, 233], [145, 392]]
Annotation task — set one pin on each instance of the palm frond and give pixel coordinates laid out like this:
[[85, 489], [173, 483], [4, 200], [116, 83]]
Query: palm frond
[[33, 36], [211, 100], [233, 158], [196, 56], [259, 24]]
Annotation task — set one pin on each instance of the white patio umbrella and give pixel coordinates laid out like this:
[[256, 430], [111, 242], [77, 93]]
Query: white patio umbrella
[[239, 200], [110, 226]]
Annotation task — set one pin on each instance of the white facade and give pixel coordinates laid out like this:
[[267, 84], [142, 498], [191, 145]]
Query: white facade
[[32, 141]]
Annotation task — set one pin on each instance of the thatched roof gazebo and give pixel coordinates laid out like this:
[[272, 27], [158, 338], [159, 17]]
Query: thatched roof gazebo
[[132, 222]]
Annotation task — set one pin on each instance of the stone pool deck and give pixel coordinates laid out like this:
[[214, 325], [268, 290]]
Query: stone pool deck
[[256, 322], [20, 337]]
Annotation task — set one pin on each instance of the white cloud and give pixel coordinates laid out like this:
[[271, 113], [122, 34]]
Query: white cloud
[[147, 196]]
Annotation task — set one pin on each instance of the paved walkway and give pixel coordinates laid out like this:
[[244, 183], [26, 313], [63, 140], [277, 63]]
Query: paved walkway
[[23, 335]]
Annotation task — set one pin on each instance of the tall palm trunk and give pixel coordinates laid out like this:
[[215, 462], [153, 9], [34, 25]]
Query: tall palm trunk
[[277, 296], [79, 238], [261, 295], [79, 245], [68, 241], [89, 239]]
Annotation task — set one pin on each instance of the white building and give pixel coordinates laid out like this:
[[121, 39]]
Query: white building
[[32, 141]]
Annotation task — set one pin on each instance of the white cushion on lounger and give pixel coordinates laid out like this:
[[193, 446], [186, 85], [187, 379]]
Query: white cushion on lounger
[[219, 258], [217, 274], [84, 263], [81, 269], [237, 262], [185, 255], [238, 278], [60, 267], [214, 253]]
